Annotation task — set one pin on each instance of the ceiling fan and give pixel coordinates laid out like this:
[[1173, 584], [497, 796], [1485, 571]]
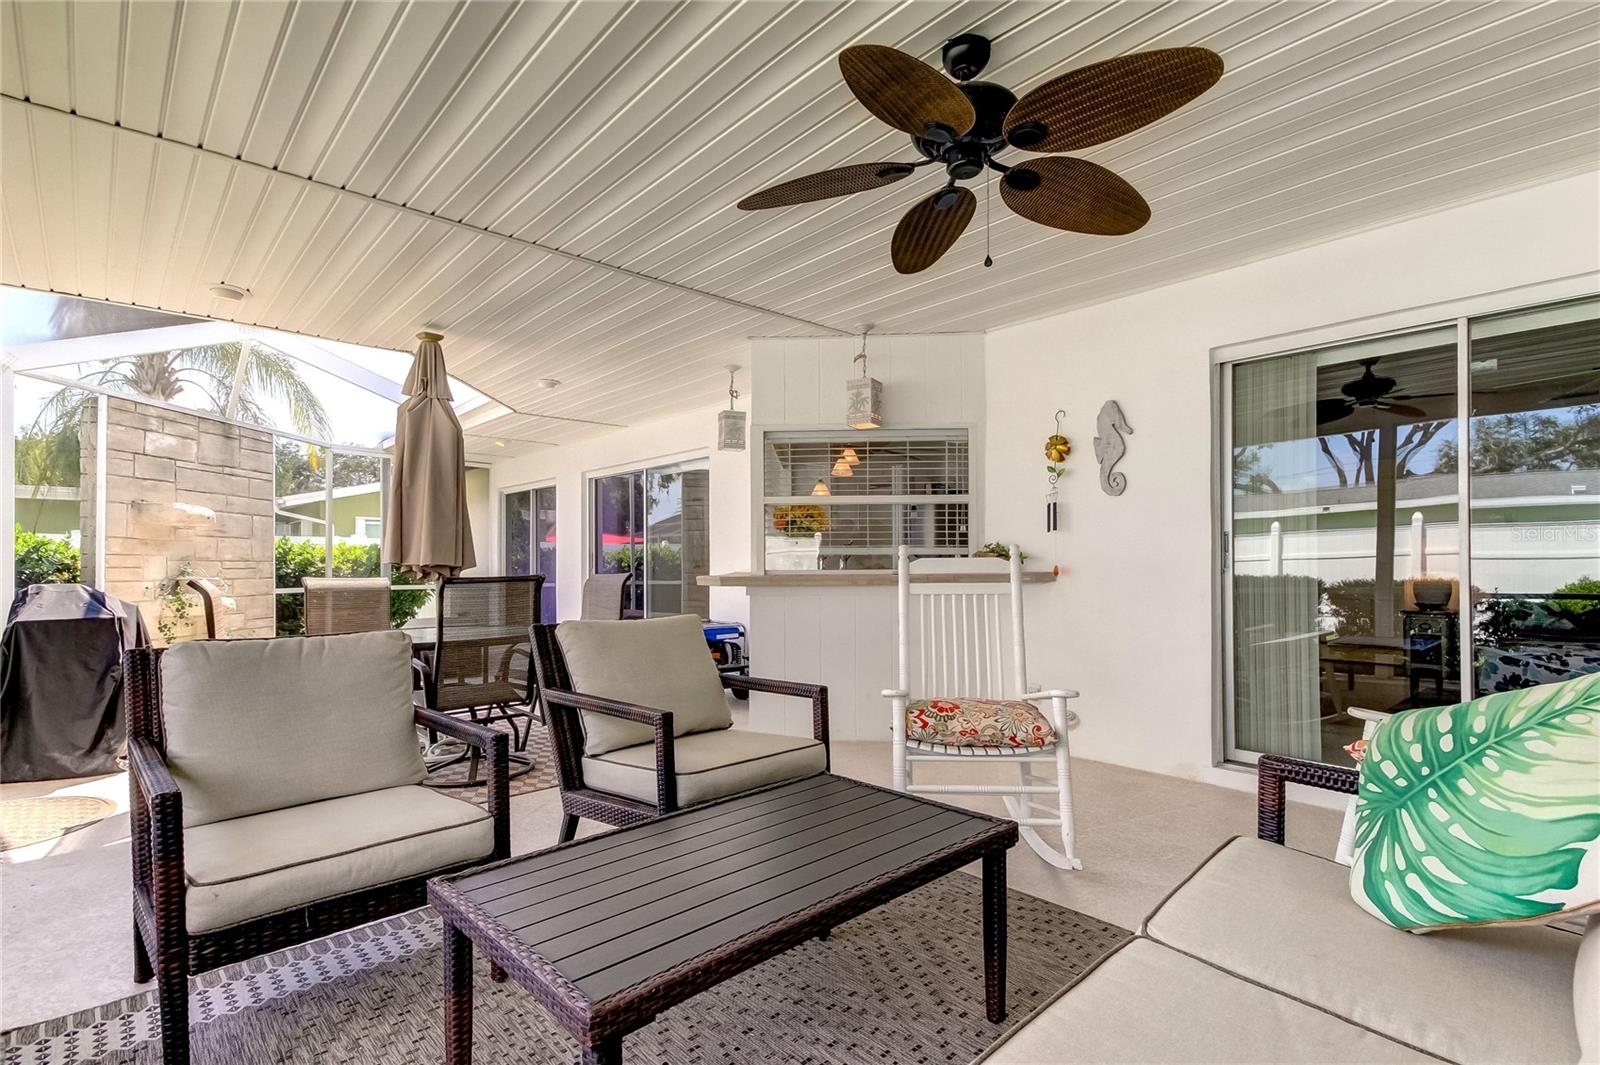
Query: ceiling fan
[[963, 125], [1371, 391]]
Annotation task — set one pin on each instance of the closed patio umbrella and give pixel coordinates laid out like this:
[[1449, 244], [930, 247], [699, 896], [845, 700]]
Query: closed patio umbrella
[[426, 532]]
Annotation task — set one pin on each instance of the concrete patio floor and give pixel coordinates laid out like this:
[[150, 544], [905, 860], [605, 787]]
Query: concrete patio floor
[[65, 926]]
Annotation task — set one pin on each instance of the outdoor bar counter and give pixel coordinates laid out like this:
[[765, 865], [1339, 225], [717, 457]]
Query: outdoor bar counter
[[833, 627]]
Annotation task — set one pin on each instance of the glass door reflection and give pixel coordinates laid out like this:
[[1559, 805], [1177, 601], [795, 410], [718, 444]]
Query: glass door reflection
[[1535, 487]]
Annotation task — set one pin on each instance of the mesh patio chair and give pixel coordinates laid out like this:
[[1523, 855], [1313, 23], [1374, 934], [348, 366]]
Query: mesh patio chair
[[479, 666], [345, 604], [211, 600], [605, 596]]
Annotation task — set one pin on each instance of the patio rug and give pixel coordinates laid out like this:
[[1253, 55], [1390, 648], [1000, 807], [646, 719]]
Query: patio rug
[[902, 984], [27, 821], [540, 777]]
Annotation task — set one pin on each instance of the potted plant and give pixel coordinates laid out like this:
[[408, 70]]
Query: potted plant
[[796, 540]]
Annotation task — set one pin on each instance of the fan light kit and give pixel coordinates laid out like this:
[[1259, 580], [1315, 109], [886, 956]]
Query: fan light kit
[[964, 124], [730, 422]]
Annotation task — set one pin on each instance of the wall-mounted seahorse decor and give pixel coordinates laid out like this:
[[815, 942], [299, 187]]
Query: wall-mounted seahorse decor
[[1110, 446]]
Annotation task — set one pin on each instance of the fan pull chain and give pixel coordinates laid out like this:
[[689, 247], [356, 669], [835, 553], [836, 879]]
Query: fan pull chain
[[988, 214]]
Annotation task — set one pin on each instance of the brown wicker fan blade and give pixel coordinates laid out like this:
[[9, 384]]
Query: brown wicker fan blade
[[906, 92], [1105, 100], [927, 230], [1073, 194], [858, 177]]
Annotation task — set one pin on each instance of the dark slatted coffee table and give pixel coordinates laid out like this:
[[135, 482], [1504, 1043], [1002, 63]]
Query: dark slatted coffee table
[[609, 931]]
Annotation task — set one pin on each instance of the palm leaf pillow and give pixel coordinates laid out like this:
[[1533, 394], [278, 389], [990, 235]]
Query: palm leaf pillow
[[1486, 812]]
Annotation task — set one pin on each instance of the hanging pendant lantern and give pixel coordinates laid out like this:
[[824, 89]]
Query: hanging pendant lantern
[[850, 456], [730, 422], [820, 489], [842, 468], [863, 395]]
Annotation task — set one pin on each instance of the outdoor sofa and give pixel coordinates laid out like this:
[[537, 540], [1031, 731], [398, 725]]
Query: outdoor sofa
[[1260, 955]]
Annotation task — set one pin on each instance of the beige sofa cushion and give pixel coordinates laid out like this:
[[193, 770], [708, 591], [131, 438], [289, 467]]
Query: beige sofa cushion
[[253, 866], [1148, 1004], [710, 765], [1284, 918], [1586, 992], [255, 725], [662, 663]]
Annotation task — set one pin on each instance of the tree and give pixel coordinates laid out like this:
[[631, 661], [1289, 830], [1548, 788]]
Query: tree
[[210, 371], [1357, 464], [48, 457], [300, 468], [1531, 440], [1249, 474]]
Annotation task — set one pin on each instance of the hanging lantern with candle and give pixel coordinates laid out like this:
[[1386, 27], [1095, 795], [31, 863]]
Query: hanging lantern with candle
[[864, 395], [730, 422]]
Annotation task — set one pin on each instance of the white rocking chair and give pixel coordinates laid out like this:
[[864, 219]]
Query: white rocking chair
[[965, 650]]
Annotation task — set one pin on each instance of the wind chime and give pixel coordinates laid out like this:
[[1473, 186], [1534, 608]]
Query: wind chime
[[1056, 450]]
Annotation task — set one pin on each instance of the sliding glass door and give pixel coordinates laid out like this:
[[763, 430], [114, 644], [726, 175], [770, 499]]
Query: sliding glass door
[[530, 541], [1535, 488], [655, 525], [1342, 470], [1352, 580]]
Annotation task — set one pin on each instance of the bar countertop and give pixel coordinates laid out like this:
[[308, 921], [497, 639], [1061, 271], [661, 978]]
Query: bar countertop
[[859, 578]]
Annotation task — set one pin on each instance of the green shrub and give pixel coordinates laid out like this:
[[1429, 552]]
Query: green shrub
[[45, 560], [294, 559]]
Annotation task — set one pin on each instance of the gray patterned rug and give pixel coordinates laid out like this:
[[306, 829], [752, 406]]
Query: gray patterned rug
[[902, 984], [540, 777]]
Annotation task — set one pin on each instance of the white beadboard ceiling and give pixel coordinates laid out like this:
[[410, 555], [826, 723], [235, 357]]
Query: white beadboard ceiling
[[552, 185]]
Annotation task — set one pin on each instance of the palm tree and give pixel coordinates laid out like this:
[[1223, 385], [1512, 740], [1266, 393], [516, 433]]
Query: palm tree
[[211, 371]]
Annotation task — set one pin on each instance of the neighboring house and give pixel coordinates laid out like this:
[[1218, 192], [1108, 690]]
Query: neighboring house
[[48, 510], [1534, 531], [357, 512]]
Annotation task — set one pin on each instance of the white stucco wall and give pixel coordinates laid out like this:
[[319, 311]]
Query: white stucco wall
[[569, 468], [1132, 622]]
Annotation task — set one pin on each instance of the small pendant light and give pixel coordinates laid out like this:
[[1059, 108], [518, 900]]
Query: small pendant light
[[730, 422], [864, 395]]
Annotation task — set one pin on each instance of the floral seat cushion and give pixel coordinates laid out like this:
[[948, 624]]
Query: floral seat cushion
[[978, 723]]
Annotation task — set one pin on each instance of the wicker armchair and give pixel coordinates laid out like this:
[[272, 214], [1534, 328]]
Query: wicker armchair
[[620, 762], [274, 799]]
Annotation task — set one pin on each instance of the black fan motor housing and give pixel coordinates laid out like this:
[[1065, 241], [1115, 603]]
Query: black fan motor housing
[[965, 55]]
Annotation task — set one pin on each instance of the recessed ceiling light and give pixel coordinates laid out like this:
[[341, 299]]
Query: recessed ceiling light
[[232, 293], [547, 383], [499, 443]]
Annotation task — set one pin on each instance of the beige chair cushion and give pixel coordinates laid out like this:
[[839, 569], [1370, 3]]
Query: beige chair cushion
[[709, 765], [1586, 993], [256, 725], [1285, 919], [265, 863], [662, 663], [1148, 1004]]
